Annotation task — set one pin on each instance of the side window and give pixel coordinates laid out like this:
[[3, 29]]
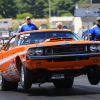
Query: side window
[[17, 41], [11, 44], [80, 33]]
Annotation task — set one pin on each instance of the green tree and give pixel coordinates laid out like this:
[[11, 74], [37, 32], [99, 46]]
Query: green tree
[[1, 17], [8, 8], [39, 8], [95, 1], [34, 7], [24, 15], [67, 14]]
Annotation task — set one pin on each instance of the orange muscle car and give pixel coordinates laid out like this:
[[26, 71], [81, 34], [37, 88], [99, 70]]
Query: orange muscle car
[[48, 56]]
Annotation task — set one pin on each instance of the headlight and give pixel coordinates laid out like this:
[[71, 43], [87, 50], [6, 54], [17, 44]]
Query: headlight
[[39, 51], [98, 47], [93, 48], [31, 52]]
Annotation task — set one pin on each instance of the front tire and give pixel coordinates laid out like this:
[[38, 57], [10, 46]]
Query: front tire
[[93, 74], [66, 83], [25, 76]]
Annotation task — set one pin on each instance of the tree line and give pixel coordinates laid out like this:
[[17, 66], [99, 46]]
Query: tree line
[[38, 8]]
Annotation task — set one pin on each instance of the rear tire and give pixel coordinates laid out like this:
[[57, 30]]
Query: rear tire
[[4, 84], [67, 83], [7, 86], [13, 86], [25, 76], [93, 74]]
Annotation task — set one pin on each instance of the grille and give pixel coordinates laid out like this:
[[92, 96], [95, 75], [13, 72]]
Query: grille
[[67, 59], [65, 50]]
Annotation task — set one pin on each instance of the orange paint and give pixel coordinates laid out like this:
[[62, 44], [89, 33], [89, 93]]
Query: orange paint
[[9, 59]]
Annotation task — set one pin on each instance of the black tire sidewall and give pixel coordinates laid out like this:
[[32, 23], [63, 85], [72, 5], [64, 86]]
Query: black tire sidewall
[[7, 85], [27, 77], [94, 77], [4, 85]]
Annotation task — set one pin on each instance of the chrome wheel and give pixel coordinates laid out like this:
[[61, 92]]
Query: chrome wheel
[[25, 76], [22, 75]]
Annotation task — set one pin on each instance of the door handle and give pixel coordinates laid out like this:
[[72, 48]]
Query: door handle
[[13, 53], [2, 57]]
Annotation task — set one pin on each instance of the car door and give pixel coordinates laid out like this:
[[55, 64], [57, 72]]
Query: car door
[[7, 64], [7, 56]]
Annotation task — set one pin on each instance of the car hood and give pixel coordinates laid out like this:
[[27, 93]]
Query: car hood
[[57, 43], [66, 42]]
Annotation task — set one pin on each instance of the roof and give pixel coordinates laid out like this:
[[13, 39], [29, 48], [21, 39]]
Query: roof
[[61, 18], [91, 19], [44, 30], [84, 5]]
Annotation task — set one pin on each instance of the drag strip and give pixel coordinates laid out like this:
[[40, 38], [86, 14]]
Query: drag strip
[[81, 90]]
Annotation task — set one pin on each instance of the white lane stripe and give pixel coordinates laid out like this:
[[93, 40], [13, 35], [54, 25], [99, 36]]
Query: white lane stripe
[[11, 57]]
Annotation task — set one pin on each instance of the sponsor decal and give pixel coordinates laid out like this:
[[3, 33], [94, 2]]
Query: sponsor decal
[[21, 56], [1, 71], [11, 74], [13, 61], [24, 62], [66, 42]]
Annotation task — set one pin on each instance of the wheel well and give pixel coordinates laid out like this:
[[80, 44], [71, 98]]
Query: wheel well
[[17, 61]]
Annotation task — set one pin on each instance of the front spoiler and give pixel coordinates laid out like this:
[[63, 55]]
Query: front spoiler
[[59, 56]]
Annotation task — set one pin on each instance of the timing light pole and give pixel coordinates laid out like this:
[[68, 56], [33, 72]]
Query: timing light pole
[[88, 10], [49, 9]]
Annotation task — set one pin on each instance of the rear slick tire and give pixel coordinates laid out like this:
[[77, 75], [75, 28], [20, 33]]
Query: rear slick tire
[[93, 74], [25, 77], [13, 86], [7, 85], [4, 84]]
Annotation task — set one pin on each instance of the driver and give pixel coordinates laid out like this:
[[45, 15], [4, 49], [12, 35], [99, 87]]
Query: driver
[[28, 26], [95, 30]]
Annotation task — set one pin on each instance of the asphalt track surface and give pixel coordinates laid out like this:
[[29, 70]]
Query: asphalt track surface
[[81, 90]]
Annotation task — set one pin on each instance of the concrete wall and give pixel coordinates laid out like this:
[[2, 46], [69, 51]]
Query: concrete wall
[[77, 22]]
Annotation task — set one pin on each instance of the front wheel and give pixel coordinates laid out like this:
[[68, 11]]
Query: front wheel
[[66, 83], [93, 74], [25, 76]]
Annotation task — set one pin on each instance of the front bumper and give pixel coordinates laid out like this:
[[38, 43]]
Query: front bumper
[[59, 56]]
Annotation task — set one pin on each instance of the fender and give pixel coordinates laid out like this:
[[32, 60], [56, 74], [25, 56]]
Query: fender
[[24, 61]]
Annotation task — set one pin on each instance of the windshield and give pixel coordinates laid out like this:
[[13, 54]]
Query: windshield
[[39, 37], [83, 33]]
